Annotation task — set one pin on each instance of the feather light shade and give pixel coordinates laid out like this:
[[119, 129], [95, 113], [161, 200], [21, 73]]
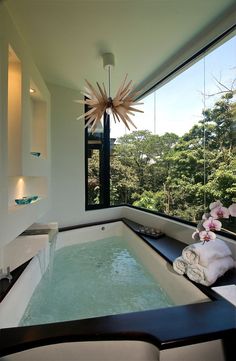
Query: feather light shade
[[121, 107]]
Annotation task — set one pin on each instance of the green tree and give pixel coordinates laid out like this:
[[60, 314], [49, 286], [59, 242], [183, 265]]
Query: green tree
[[140, 156], [200, 164], [174, 174], [204, 155], [123, 180]]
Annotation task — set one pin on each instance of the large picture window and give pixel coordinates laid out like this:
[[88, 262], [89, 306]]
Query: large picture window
[[183, 154]]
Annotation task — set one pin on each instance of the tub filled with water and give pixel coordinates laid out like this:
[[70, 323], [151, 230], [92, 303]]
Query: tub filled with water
[[94, 279], [91, 272]]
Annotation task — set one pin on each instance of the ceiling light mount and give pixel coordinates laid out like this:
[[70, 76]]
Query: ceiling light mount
[[108, 60]]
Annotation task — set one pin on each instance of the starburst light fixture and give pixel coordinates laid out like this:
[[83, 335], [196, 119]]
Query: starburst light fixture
[[100, 102]]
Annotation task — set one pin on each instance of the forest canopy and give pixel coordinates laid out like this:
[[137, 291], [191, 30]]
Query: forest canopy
[[176, 175]]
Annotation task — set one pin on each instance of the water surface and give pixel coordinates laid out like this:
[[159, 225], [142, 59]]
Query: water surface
[[94, 279]]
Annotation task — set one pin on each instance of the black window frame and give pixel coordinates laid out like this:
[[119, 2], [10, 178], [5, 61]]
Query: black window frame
[[104, 165]]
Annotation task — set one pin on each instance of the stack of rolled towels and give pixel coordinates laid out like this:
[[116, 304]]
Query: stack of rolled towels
[[204, 263]]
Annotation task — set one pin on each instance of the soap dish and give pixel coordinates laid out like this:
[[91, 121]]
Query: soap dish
[[149, 231]]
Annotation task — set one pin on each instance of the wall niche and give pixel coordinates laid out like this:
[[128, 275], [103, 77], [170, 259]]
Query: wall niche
[[14, 114], [39, 123]]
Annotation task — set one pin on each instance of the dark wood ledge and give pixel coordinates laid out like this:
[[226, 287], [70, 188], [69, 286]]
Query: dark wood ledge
[[169, 248]]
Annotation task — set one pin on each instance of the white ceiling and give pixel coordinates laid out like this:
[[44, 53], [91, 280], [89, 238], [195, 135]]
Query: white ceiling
[[67, 37]]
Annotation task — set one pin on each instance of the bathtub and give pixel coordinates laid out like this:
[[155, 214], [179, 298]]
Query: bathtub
[[148, 335], [178, 288]]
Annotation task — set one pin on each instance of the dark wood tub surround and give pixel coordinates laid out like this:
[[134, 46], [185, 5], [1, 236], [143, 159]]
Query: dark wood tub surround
[[166, 328]]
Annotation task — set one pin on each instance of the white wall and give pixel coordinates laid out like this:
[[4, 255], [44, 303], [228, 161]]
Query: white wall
[[67, 166], [67, 149], [19, 171], [68, 169]]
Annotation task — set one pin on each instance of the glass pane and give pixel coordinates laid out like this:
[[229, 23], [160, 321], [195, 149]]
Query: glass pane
[[94, 161], [94, 176], [182, 156], [220, 119]]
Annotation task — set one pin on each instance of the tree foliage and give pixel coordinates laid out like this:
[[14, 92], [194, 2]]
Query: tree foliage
[[173, 174]]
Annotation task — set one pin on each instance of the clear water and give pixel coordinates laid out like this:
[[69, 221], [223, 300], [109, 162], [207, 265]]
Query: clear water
[[94, 279]]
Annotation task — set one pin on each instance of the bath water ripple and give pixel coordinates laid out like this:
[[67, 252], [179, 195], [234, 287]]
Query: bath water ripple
[[94, 279]]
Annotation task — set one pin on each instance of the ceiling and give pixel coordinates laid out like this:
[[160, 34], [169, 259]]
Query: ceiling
[[68, 37]]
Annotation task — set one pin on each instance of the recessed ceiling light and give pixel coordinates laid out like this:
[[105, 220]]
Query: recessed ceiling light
[[32, 90]]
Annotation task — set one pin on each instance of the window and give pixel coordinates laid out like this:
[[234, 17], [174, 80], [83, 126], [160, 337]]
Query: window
[[182, 156], [97, 166]]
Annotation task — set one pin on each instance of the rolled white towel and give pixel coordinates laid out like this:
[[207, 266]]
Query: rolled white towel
[[204, 254], [180, 265], [208, 275]]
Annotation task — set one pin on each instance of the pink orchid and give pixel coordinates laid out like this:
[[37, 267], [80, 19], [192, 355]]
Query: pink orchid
[[207, 236], [212, 224], [220, 212], [215, 204], [232, 210]]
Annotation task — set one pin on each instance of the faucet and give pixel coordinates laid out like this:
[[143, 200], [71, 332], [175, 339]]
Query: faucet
[[6, 275]]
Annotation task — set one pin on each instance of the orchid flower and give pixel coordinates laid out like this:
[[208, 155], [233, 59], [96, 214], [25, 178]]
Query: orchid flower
[[215, 204], [212, 224], [209, 222], [207, 236], [220, 212], [232, 210]]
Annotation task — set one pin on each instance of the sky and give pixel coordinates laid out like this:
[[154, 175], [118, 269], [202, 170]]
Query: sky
[[180, 102]]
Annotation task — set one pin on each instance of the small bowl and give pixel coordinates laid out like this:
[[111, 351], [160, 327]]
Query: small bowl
[[26, 200]]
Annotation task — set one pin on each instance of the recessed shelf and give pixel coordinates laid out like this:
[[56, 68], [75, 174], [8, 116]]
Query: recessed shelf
[[39, 122], [25, 129], [20, 207], [27, 189], [14, 114]]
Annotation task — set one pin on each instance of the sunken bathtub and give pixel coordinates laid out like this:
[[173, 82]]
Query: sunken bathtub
[[102, 293]]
